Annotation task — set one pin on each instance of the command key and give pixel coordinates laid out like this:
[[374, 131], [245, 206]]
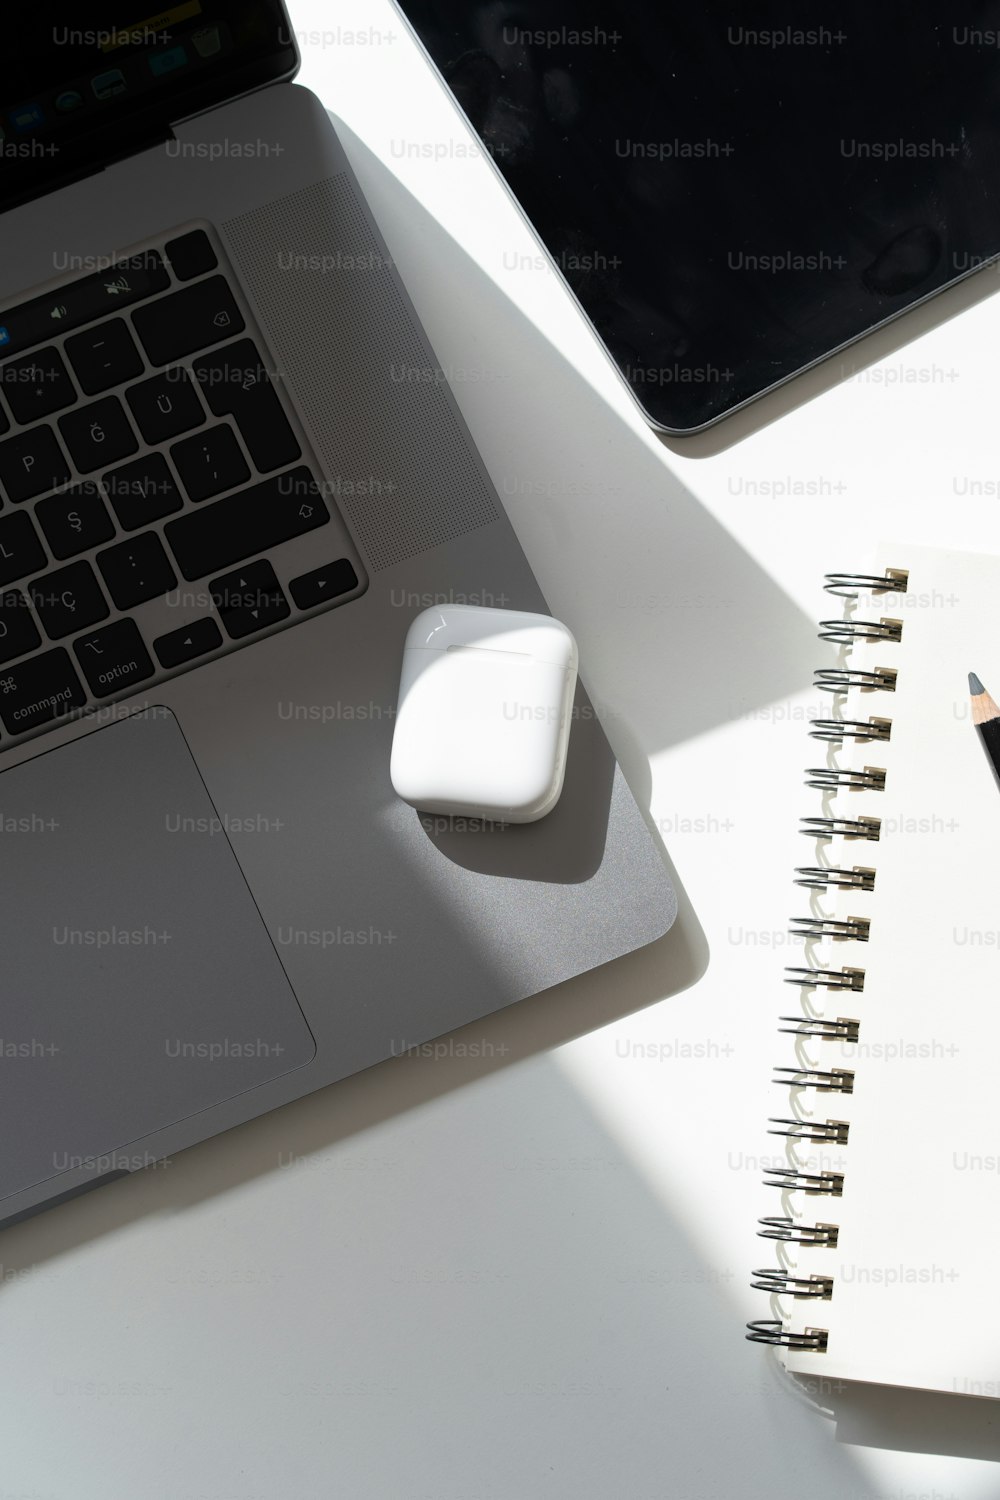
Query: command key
[[38, 690]]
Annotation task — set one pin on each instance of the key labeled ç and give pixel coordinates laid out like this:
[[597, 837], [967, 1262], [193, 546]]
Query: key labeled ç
[[68, 599]]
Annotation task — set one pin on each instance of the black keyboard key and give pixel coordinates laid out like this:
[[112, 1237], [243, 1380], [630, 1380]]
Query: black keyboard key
[[249, 599], [184, 645], [39, 690], [142, 491], [18, 633], [186, 321], [104, 356], [31, 463], [74, 520], [190, 255], [21, 552], [113, 658], [322, 584], [248, 522], [235, 383], [136, 570], [98, 434], [210, 462], [69, 599], [82, 301], [37, 386], [165, 405], [4, 422]]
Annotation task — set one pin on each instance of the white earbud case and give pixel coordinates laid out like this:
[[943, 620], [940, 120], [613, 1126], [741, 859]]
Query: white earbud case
[[484, 713]]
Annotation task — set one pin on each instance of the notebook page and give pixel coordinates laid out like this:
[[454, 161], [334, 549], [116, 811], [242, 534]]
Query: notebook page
[[913, 1296]]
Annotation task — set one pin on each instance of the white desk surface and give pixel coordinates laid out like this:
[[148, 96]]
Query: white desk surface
[[519, 1271]]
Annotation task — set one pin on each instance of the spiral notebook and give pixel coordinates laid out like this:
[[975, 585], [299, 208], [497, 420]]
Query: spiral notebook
[[884, 1226]]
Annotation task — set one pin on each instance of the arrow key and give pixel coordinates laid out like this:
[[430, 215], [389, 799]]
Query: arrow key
[[249, 599], [323, 584], [181, 646]]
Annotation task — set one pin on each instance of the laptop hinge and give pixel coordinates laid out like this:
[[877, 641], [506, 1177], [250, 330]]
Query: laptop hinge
[[134, 146]]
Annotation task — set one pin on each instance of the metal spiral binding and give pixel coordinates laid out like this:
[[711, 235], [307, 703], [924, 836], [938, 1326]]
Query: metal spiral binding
[[843, 1029], [846, 632], [827, 979], [850, 585], [812, 1130], [791, 1233], [854, 928], [816, 1184], [821, 877], [770, 1331], [827, 1081], [774, 1279], [842, 679], [848, 828], [846, 778], [838, 730], [796, 1281]]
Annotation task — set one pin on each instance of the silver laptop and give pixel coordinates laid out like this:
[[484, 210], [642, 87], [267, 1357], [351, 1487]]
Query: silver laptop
[[231, 474]]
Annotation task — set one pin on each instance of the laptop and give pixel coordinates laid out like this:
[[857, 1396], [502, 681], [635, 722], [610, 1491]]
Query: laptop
[[232, 473]]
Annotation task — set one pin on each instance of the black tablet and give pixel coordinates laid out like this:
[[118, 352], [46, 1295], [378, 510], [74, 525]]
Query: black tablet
[[732, 192]]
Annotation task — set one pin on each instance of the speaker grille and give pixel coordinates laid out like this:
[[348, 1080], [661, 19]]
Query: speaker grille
[[401, 464]]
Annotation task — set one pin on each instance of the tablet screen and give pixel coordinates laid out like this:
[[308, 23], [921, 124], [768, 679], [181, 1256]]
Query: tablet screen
[[734, 197]]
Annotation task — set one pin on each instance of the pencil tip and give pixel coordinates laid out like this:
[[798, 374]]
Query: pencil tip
[[975, 686]]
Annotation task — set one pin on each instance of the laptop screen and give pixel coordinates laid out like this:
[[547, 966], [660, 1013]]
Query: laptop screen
[[734, 192], [80, 85]]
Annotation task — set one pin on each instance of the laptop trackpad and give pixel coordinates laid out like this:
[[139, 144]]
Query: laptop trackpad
[[138, 983]]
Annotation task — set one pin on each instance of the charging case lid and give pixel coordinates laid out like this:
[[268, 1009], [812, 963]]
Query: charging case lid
[[446, 627]]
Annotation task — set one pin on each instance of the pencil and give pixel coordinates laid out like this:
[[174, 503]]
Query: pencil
[[986, 717]]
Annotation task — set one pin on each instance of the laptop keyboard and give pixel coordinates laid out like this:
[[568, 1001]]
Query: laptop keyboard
[[144, 446]]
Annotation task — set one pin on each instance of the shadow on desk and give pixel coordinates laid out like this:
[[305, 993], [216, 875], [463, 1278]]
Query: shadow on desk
[[683, 627]]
